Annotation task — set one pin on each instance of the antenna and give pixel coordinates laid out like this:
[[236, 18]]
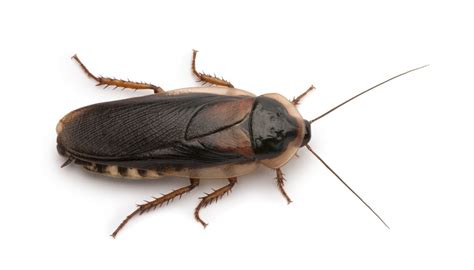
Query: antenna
[[363, 92], [342, 181]]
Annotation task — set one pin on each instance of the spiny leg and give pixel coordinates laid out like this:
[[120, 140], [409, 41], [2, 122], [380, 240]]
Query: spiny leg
[[151, 205], [213, 197], [281, 182], [297, 100], [206, 78], [117, 82]]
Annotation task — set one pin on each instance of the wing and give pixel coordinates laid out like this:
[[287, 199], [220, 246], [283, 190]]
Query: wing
[[158, 131]]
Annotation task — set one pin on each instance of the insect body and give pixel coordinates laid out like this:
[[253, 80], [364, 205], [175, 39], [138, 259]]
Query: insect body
[[197, 133]]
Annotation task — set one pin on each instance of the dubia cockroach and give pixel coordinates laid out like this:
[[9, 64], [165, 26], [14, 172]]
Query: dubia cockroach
[[208, 132]]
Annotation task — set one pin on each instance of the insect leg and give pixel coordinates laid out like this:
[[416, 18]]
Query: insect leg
[[281, 182], [206, 78], [213, 197], [151, 205], [105, 81], [297, 100]]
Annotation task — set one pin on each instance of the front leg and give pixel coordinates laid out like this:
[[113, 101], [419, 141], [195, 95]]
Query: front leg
[[281, 182], [296, 101]]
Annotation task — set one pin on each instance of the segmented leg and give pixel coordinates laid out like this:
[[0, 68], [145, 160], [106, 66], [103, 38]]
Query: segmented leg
[[213, 197], [297, 100], [151, 205], [206, 78], [281, 182], [117, 82]]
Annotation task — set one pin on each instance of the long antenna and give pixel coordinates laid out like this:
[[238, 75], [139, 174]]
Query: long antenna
[[363, 92], [342, 181]]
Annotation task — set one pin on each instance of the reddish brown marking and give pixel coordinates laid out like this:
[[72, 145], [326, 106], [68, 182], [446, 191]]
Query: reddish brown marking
[[213, 197], [231, 111], [233, 139], [206, 78], [219, 115]]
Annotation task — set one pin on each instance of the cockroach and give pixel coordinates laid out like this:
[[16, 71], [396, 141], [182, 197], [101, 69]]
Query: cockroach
[[208, 132]]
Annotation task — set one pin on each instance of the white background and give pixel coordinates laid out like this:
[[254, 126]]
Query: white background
[[407, 148]]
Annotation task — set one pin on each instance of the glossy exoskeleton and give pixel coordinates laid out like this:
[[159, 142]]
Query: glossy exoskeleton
[[198, 133]]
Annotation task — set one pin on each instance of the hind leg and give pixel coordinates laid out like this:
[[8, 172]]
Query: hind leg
[[152, 205], [105, 81]]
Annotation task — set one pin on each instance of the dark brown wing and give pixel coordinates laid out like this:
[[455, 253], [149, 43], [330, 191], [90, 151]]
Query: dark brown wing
[[152, 132]]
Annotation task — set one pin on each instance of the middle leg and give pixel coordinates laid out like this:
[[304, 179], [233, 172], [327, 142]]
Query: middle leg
[[213, 197], [206, 78]]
